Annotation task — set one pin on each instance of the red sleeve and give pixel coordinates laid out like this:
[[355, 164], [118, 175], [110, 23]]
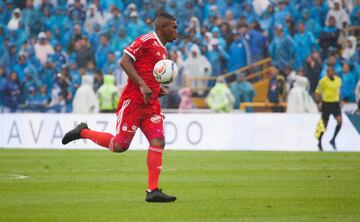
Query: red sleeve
[[135, 50]]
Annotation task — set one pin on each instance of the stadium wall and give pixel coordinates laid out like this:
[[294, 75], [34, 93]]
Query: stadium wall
[[281, 132]]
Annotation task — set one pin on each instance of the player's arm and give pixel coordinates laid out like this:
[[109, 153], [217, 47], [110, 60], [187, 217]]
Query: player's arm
[[318, 92], [127, 64]]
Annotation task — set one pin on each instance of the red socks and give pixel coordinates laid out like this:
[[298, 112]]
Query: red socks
[[154, 163], [100, 138], [154, 157]]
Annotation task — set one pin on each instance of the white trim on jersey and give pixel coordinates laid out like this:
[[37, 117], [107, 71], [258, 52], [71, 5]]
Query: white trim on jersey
[[120, 115], [129, 54], [146, 37], [157, 38]]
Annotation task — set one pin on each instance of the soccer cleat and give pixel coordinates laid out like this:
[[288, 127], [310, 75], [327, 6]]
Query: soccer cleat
[[158, 196], [74, 134], [332, 142]]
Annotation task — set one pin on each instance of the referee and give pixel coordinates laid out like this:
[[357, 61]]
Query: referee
[[328, 98]]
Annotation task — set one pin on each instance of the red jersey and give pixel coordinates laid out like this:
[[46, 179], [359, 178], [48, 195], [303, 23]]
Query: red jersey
[[146, 51]]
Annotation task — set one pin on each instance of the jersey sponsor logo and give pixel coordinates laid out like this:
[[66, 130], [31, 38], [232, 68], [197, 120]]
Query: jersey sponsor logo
[[124, 127], [155, 119], [158, 53]]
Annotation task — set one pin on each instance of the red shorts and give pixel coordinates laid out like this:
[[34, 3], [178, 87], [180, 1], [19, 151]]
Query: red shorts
[[131, 116]]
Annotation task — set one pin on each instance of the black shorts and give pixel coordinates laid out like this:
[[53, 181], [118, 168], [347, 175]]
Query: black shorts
[[330, 108]]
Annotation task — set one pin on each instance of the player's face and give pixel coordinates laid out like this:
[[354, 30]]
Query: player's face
[[171, 31]]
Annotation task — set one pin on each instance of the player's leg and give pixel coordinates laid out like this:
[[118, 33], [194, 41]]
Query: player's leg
[[153, 129], [337, 114], [325, 114], [107, 140]]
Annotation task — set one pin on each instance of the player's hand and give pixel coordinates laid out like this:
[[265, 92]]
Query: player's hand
[[146, 91], [163, 91]]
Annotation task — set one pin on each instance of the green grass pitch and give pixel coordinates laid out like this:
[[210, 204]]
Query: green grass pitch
[[217, 186]]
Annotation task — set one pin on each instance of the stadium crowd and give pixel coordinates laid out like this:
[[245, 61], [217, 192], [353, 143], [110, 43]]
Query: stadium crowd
[[50, 48]]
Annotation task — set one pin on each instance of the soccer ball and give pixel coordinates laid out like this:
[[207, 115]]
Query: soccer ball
[[165, 71]]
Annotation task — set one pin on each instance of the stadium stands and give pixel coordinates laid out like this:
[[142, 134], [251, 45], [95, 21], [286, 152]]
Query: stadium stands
[[48, 45]]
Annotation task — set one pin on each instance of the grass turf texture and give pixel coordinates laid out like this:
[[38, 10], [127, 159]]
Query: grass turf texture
[[89, 185]]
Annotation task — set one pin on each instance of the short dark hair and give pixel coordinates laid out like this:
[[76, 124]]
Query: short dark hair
[[166, 15]]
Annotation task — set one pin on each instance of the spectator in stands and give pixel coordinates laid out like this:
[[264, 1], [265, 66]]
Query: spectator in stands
[[44, 98], [349, 79], [257, 42], [319, 12], [102, 51], [289, 74], [20, 67], [9, 7], [9, 58], [229, 20], [110, 64], [267, 20], [310, 24], [135, 26], [341, 16], [58, 103], [197, 65], [329, 37], [58, 20], [232, 5], [299, 99], [220, 98], [248, 12], [147, 11], [47, 73], [215, 53], [71, 38], [108, 95], [120, 41], [290, 27], [76, 12], [239, 51], [276, 90], [59, 57], [355, 14], [93, 17], [349, 52], [185, 99], [2, 84], [281, 13], [12, 92], [312, 70], [305, 43], [84, 52], [282, 49], [243, 91], [98, 80], [333, 61], [85, 100], [42, 48], [31, 102], [15, 22], [116, 19]]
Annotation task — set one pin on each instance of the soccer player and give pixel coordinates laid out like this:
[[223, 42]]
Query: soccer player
[[138, 105], [327, 96]]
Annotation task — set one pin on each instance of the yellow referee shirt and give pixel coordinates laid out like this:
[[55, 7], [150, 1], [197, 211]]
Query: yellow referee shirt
[[329, 89]]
